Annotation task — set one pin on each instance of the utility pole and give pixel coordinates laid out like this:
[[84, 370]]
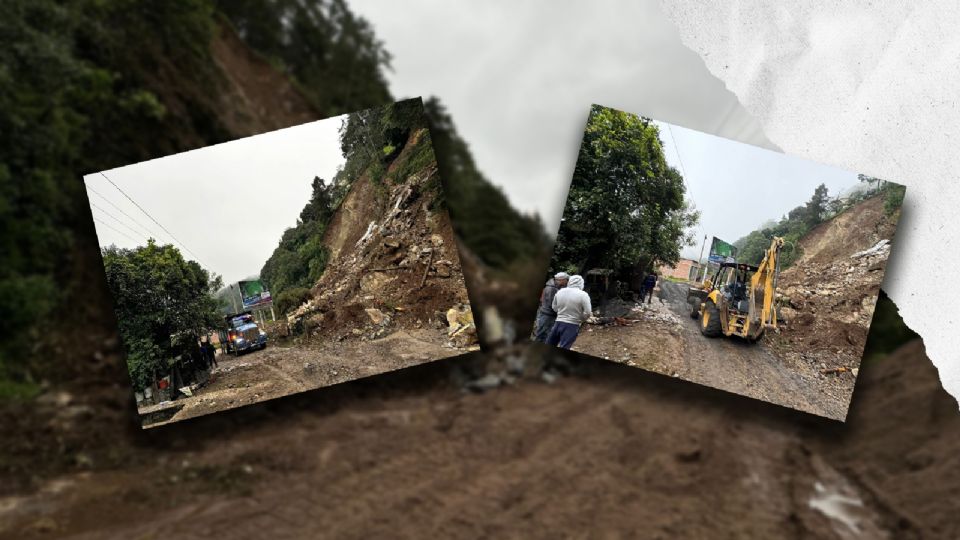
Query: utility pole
[[700, 260]]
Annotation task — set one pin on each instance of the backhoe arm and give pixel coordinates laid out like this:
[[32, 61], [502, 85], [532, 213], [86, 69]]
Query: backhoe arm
[[763, 284]]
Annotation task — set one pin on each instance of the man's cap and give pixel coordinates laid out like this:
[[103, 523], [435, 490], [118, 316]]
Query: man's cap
[[561, 275]]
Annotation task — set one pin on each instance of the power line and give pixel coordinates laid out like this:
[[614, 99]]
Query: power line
[[185, 248], [676, 149], [115, 218], [111, 203], [116, 230]]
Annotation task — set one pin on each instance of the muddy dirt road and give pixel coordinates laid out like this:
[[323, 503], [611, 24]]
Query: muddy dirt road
[[616, 453], [734, 365], [279, 371]]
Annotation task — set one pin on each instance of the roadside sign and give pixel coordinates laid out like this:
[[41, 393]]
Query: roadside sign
[[721, 252]]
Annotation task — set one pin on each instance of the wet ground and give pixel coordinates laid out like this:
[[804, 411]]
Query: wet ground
[[731, 364], [615, 453], [280, 371]]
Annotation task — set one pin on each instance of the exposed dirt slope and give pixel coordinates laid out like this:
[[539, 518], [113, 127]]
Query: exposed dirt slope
[[393, 259], [857, 229], [830, 292], [254, 97]]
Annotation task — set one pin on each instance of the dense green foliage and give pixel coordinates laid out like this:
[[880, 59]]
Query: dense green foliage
[[752, 247], [290, 299], [158, 297], [320, 44], [371, 139], [482, 216], [892, 193], [625, 204], [799, 221], [89, 85], [75, 95], [893, 199], [299, 260]]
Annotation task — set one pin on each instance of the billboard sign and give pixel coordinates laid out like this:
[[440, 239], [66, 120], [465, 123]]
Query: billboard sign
[[721, 252], [253, 294]]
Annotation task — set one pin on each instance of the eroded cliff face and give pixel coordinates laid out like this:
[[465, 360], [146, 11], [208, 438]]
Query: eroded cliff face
[[830, 292], [393, 259]]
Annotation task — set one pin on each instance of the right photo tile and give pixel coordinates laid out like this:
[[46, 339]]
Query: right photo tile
[[718, 262]]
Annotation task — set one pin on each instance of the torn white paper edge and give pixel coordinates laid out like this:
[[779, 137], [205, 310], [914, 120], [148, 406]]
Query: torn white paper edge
[[870, 87]]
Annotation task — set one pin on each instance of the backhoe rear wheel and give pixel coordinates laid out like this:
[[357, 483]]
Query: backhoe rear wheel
[[710, 320]]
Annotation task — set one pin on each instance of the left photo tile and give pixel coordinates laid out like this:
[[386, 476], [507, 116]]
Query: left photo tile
[[281, 263]]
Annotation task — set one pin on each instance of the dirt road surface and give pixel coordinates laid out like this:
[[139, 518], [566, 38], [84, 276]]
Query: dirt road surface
[[617, 452], [734, 365], [280, 371]]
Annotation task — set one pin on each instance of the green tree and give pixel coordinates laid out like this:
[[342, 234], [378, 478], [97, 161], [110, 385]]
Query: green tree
[[300, 258], [870, 181], [158, 295], [291, 298], [625, 203], [816, 207], [894, 197], [319, 43]]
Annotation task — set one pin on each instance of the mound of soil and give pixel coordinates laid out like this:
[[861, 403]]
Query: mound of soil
[[828, 296], [393, 263]]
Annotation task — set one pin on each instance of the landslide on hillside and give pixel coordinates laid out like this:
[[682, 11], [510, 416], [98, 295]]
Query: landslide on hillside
[[829, 294], [393, 258]]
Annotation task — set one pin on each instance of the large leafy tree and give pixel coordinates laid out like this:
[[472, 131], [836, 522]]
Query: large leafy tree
[[816, 208], [625, 204], [158, 295], [300, 258], [791, 227]]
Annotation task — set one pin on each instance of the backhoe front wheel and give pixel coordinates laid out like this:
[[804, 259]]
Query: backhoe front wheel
[[710, 320]]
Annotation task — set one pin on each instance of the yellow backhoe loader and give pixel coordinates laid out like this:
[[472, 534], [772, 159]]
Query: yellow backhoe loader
[[739, 299]]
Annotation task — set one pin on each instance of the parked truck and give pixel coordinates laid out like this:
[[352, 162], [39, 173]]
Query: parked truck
[[242, 334]]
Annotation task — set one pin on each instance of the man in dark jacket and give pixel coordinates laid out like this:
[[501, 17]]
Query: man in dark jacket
[[546, 316]]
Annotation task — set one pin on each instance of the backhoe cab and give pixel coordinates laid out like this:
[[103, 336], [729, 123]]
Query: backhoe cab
[[739, 299]]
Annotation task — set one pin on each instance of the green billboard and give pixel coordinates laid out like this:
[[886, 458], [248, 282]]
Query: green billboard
[[721, 252]]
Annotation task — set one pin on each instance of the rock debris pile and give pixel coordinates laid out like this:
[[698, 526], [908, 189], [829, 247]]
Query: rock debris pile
[[393, 264]]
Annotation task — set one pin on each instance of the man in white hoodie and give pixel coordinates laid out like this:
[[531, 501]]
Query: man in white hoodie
[[573, 308]]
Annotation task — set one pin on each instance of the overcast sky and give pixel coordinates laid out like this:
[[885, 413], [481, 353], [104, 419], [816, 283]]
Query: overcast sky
[[228, 204], [737, 187], [519, 77]]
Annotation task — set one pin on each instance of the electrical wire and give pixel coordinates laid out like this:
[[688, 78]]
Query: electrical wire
[[116, 230], [118, 220], [175, 239], [676, 150], [111, 203]]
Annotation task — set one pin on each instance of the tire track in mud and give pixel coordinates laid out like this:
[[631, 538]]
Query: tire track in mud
[[581, 455], [446, 498], [749, 369]]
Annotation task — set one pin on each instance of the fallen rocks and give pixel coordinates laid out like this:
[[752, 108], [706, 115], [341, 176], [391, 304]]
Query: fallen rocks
[[879, 248], [461, 328], [376, 316], [443, 268]]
